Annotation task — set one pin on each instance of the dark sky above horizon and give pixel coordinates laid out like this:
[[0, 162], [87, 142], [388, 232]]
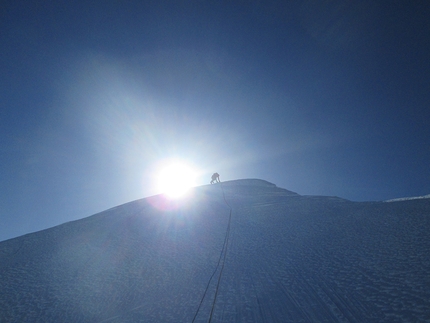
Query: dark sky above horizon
[[318, 97]]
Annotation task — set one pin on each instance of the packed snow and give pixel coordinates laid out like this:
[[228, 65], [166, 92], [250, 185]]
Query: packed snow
[[238, 251]]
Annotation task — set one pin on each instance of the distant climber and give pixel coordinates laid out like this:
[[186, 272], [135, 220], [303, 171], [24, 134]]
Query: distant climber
[[215, 178]]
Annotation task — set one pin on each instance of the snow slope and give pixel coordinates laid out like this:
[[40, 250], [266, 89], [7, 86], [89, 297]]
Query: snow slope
[[239, 251]]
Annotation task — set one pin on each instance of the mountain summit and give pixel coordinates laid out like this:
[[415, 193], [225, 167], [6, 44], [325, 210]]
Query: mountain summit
[[237, 251]]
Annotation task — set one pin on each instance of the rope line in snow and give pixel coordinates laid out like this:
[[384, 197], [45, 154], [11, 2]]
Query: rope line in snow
[[223, 251]]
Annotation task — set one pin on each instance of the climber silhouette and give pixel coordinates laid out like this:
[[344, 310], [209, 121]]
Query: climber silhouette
[[215, 178]]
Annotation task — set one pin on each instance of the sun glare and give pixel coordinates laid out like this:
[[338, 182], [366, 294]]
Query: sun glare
[[176, 178]]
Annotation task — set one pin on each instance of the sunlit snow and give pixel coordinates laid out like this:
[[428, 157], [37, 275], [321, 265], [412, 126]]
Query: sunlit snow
[[237, 251]]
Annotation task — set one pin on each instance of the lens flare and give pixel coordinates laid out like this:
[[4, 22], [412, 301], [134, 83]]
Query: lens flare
[[176, 179]]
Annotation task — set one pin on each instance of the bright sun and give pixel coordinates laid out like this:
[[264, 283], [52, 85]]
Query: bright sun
[[176, 178]]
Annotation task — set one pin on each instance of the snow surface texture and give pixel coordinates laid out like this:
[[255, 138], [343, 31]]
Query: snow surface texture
[[282, 258]]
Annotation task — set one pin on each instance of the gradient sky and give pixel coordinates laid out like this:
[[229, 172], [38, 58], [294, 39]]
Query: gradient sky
[[318, 97]]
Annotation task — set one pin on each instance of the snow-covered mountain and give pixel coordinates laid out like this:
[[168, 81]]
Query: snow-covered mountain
[[409, 198], [238, 251]]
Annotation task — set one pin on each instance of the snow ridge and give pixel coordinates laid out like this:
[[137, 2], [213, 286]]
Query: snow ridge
[[409, 198], [290, 258]]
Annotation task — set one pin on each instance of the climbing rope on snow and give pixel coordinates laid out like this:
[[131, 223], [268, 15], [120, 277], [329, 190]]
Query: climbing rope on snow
[[223, 252], [227, 236]]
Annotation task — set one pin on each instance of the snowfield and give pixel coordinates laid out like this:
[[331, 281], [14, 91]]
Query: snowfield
[[238, 251], [409, 198]]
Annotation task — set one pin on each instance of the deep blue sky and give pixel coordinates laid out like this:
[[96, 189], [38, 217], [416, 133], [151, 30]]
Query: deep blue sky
[[318, 97]]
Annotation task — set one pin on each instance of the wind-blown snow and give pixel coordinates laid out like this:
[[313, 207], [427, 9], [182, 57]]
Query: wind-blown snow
[[409, 198], [282, 257]]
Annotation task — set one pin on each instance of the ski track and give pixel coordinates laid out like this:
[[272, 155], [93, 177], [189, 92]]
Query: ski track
[[289, 258]]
